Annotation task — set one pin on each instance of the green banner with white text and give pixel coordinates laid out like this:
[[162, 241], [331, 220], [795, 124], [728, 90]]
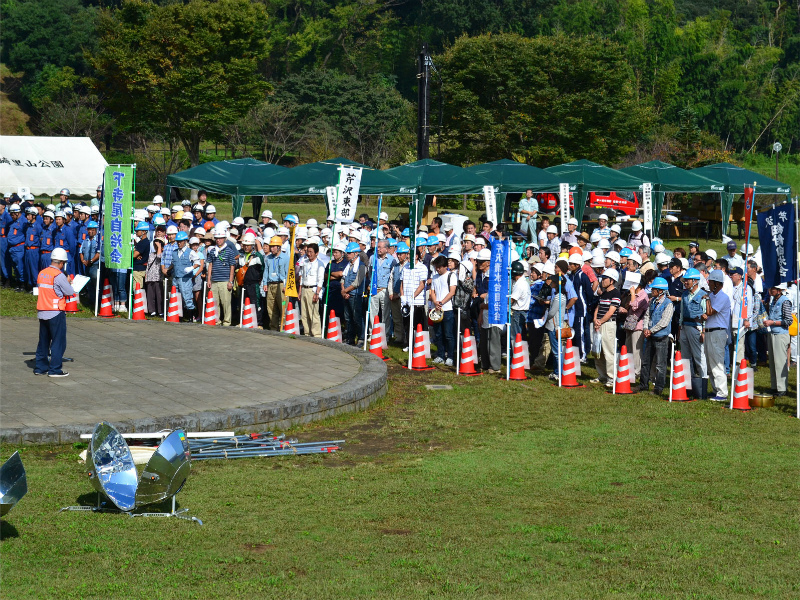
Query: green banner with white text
[[119, 192]]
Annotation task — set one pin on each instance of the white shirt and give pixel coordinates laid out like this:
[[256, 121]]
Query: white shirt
[[313, 274], [521, 294], [441, 287], [411, 279], [736, 308]]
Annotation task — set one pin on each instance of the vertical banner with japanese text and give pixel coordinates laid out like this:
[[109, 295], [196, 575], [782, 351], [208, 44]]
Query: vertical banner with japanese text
[[498, 283], [563, 197], [777, 231], [749, 203], [330, 200], [119, 183], [347, 199], [291, 277], [491, 204], [414, 216], [647, 208]]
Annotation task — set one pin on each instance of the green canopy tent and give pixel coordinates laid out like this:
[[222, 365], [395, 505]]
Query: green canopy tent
[[734, 179], [667, 178], [585, 176], [238, 178], [427, 177], [511, 176], [313, 178]]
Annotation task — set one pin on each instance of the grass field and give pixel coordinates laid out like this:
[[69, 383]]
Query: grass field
[[491, 489]]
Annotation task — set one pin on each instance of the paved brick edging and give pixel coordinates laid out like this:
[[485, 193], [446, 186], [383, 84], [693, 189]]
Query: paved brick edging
[[357, 393]]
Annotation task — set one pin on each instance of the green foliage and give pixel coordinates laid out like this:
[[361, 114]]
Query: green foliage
[[37, 33], [546, 99], [184, 70]]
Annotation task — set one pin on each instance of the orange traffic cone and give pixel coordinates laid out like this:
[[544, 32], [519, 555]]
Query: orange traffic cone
[[138, 305], [740, 400], [210, 317], [623, 373], [518, 361], [679, 383], [468, 356], [569, 377], [106, 309], [291, 326], [334, 329], [418, 362], [173, 312], [72, 304], [249, 315], [376, 339]]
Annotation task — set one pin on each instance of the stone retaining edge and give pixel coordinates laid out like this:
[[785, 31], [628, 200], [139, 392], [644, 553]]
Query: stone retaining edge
[[357, 393]]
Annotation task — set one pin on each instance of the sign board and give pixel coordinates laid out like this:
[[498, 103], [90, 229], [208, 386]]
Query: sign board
[[330, 199], [497, 299], [291, 277], [491, 204], [563, 197], [647, 208], [347, 199], [118, 202]]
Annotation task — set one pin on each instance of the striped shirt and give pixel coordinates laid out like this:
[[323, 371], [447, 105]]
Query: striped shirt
[[608, 299]]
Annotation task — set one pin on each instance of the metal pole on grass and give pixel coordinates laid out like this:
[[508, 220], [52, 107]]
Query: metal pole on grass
[[373, 286], [614, 384], [671, 365], [559, 362], [458, 338]]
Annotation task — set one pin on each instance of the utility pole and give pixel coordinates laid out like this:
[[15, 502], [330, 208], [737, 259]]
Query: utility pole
[[777, 147], [423, 103]]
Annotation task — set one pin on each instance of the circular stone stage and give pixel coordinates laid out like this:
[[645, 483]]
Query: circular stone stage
[[143, 376]]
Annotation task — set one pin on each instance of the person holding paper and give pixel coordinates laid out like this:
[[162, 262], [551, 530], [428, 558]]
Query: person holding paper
[[54, 287], [633, 313]]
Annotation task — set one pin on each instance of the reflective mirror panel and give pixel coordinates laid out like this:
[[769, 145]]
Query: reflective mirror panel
[[13, 483], [166, 471], [114, 473]]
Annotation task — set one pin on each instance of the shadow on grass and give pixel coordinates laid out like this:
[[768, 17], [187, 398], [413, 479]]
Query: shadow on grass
[[7, 530]]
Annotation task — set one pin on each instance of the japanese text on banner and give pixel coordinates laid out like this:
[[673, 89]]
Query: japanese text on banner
[[291, 277], [491, 204], [563, 197], [347, 199], [647, 208], [117, 211], [779, 256], [497, 299]]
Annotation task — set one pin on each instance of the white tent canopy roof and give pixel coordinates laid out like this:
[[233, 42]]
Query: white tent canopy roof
[[45, 165]]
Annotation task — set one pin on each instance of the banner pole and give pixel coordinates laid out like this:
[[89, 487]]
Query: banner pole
[[671, 365], [330, 261], [373, 284], [412, 225], [559, 362], [614, 383], [133, 209], [743, 300], [100, 249], [508, 315], [241, 310], [458, 336], [797, 309], [203, 316], [166, 300]]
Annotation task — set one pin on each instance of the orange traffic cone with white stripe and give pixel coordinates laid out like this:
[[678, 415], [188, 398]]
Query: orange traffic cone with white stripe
[[624, 373], [72, 304], [468, 356], [679, 384], [740, 397], [418, 361], [569, 373], [106, 306], [291, 325], [174, 309], [138, 305], [518, 361], [210, 316], [376, 339], [334, 328], [249, 315]]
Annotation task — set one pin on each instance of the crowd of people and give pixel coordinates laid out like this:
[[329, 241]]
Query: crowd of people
[[599, 289]]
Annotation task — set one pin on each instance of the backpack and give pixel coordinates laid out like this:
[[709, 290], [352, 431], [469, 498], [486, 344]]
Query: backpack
[[463, 294]]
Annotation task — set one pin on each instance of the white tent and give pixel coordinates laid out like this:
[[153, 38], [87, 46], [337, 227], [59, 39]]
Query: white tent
[[45, 165]]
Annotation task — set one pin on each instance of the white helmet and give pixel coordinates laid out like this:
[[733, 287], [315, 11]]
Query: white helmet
[[615, 227], [157, 199], [238, 221], [210, 208], [172, 229], [326, 232], [248, 238], [614, 255], [63, 192], [635, 258], [49, 213], [151, 208], [267, 214], [636, 226], [312, 231], [484, 254], [31, 210], [552, 229], [166, 212], [139, 214], [220, 232], [604, 244], [301, 233], [14, 207], [50, 207], [573, 221], [611, 274], [597, 262], [194, 240], [711, 253], [340, 246], [603, 217], [549, 268], [383, 217], [684, 263], [59, 254], [747, 249], [314, 240], [365, 238], [575, 259], [283, 231], [85, 210], [662, 259], [658, 248], [311, 223], [59, 213], [594, 238]]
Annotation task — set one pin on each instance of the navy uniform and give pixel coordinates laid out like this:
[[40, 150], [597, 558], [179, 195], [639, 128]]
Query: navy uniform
[[64, 238], [16, 246], [5, 223], [46, 244], [33, 234], [181, 279]]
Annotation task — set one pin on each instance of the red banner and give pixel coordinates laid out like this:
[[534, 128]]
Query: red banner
[[748, 211]]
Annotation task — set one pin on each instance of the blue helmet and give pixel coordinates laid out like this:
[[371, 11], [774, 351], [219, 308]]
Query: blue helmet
[[403, 247], [292, 219], [421, 241], [433, 240], [352, 247], [406, 232], [626, 252], [392, 243], [181, 236], [659, 283], [96, 225], [692, 274], [140, 227]]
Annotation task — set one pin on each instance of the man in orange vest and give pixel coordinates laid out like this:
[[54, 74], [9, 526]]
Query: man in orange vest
[[54, 287]]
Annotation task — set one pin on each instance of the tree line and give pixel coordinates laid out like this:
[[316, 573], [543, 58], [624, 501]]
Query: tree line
[[615, 81]]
